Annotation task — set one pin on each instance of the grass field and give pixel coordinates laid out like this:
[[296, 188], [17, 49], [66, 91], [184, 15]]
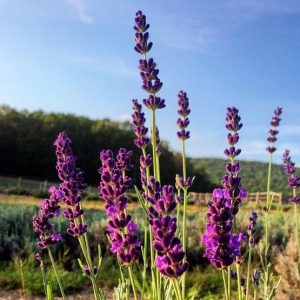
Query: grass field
[[17, 245]]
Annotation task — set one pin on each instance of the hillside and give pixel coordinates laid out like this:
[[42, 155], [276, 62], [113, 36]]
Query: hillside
[[253, 173]]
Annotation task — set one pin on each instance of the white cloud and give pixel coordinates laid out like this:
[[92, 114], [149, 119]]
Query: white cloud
[[81, 9], [110, 64]]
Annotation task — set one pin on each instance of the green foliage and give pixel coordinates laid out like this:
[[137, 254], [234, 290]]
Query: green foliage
[[10, 277], [27, 150], [253, 174], [204, 282]]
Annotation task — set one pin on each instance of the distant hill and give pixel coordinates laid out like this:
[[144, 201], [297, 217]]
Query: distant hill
[[254, 174]]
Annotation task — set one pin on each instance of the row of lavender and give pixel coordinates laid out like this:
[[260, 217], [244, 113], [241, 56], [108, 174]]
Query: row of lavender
[[165, 239]]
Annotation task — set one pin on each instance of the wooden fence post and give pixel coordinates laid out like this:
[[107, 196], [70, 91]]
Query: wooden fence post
[[257, 198], [280, 199]]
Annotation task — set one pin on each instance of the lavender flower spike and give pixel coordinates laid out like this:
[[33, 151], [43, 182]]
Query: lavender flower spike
[[273, 132], [122, 229], [289, 169], [138, 120], [233, 190], [183, 112], [293, 181], [170, 255], [221, 245], [72, 184], [252, 227], [124, 162], [41, 223], [256, 278], [148, 68], [141, 37]]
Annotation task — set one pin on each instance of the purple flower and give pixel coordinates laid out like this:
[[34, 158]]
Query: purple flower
[[293, 182], [294, 200], [289, 169], [180, 184], [145, 163], [141, 37], [233, 125], [148, 67], [113, 186], [256, 278], [252, 227], [153, 102], [170, 259], [138, 120], [183, 112], [38, 257], [273, 132], [72, 184], [231, 182], [288, 165], [87, 270], [41, 223], [221, 245], [124, 160]]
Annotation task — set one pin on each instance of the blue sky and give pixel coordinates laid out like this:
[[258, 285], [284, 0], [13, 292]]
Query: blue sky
[[77, 56]]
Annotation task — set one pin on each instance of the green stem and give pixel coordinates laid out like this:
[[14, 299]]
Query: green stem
[[150, 236], [229, 283], [184, 218], [154, 154], [158, 291], [269, 180], [132, 282], [248, 272], [158, 167], [178, 215], [56, 274], [89, 263], [177, 289], [225, 284], [266, 237], [296, 227], [268, 209], [239, 282], [145, 256], [147, 168], [255, 294], [152, 260], [44, 278]]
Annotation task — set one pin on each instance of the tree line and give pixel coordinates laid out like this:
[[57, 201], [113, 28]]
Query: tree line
[[27, 150]]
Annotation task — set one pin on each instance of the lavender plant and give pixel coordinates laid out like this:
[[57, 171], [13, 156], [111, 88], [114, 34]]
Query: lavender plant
[[183, 183], [268, 276], [255, 282], [294, 184], [41, 223], [71, 188], [251, 234], [159, 202], [122, 230], [222, 243], [142, 141]]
